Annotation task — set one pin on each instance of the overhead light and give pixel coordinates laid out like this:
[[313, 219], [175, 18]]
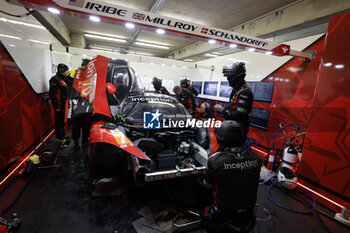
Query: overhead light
[[268, 53], [163, 64], [152, 45], [174, 66], [233, 46], [12, 37], [38, 41], [210, 55], [160, 31], [54, 10], [251, 49], [130, 25], [328, 64], [126, 60], [339, 66], [211, 41], [11, 45], [22, 23], [94, 18], [184, 67], [144, 54], [237, 60], [105, 38], [84, 55], [151, 63]]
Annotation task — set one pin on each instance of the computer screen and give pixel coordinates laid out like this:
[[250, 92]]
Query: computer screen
[[210, 88], [225, 90], [198, 86], [198, 101], [262, 91], [259, 118]]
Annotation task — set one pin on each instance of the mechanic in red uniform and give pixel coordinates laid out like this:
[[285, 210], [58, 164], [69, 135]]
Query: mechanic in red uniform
[[158, 88], [186, 98], [59, 93], [233, 174], [241, 98]]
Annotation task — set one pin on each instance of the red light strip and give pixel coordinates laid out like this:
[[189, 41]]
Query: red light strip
[[24, 160], [320, 195]]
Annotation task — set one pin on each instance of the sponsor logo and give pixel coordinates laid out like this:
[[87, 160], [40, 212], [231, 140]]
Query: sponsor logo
[[157, 120], [105, 9], [247, 165], [285, 49], [230, 36], [165, 22], [151, 120], [204, 30], [152, 99], [77, 3]]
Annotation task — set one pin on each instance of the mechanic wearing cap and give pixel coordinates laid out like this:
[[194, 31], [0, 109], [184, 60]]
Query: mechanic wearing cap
[[233, 174], [158, 88], [241, 98], [58, 93], [186, 83], [78, 123], [186, 98]]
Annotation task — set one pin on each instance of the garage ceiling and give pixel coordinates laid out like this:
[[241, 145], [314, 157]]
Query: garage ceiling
[[223, 14]]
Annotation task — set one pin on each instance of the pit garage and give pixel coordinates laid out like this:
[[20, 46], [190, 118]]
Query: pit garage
[[174, 116]]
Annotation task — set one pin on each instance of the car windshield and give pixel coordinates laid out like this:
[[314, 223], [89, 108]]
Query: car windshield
[[134, 111]]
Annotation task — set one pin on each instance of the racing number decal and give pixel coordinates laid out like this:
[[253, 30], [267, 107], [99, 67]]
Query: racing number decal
[[120, 138]]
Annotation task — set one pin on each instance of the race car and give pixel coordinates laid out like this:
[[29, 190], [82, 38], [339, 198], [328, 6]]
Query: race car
[[136, 129]]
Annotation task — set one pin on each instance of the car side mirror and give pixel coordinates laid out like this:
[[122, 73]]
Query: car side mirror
[[111, 88]]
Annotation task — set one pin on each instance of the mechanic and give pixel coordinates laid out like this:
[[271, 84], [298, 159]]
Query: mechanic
[[186, 98], [233, 174], [78, 123], [186, 83], [157, 84], [241, 98], [121, 88], [58, 93], [206, 111]]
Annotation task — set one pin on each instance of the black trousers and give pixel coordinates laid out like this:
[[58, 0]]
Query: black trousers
[[59, 125], [83, 123]]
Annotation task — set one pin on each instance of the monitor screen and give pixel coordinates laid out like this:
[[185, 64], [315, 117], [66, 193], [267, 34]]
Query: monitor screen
[[198, 101], [225, 90], [198, 86], [210, 88], [259, 118], [262, 91]]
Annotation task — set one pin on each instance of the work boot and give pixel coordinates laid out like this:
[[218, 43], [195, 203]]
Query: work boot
[[76, 145]]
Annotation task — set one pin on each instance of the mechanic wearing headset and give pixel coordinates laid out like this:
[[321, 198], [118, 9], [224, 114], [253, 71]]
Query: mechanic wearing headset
[[233, 174], [241, 98], [186, 83], [59, 93], [186, 98], [158, 88]]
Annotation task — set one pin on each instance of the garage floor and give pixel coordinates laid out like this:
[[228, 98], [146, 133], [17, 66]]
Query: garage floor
[[59, 200]]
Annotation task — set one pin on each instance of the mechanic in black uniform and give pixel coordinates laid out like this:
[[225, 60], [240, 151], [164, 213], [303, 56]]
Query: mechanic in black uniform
[[241, 98], [158, 88], [233, 174], [186, 98], [58, 93], [78, 123], [186, 83]]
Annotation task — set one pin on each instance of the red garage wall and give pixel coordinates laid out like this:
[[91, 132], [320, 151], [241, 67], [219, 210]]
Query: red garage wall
[[317, 93], [24, 115]]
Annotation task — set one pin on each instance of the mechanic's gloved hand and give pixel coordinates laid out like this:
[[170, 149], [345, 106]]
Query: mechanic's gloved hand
[[218, 108]]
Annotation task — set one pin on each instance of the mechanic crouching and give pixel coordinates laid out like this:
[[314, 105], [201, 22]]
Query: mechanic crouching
[[233, 174]]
